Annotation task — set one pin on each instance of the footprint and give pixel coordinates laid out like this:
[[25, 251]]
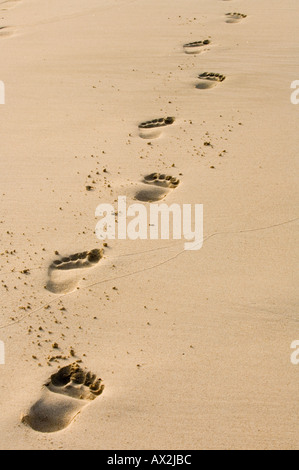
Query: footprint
[[64, 274], [8, 4], [234, 17], [155, 187], [152, 129], [209, 80], [196, 47], [5, 31], [63, 397]]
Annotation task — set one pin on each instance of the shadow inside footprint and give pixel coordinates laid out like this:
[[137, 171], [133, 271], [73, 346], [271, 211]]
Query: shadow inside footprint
[[152, 129], [209, 80], [155, 187], [5, 31], [63, 274], [8, 4], [234, 17], [196, 47], [64, 396]]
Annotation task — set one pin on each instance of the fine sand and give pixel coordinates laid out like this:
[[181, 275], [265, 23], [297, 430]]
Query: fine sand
[[140, 344]]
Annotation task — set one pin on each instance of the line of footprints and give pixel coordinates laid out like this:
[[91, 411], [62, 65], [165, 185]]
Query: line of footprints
[[72, 388]]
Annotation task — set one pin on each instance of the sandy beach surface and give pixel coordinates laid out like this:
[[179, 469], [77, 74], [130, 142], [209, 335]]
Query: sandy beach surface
[[193, 347]]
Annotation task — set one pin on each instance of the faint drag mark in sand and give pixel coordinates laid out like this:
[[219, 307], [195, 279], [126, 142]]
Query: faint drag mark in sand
[[209, 80], [64, 274], [234, 17], [196, 47], [149, 268], [152, 129], [156, 187], [63, 397]]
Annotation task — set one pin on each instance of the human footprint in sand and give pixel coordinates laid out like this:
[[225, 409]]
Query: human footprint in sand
[[209, 80], [65, 273], [155, 187], [63, 397], [152, 129], [234, 17]]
